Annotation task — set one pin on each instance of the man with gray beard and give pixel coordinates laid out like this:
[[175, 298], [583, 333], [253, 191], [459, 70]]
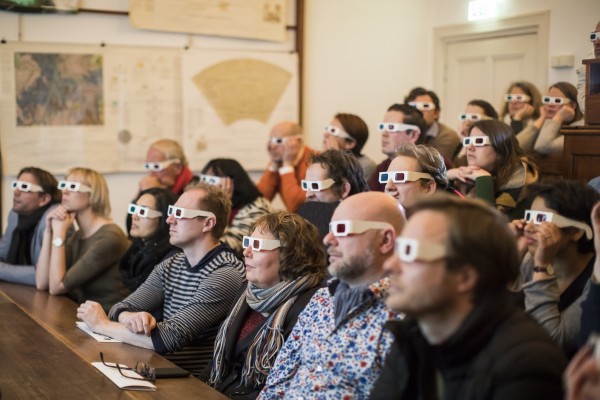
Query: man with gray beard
[[338, 345]]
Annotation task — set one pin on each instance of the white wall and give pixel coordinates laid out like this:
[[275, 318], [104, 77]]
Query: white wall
[[360, 55]]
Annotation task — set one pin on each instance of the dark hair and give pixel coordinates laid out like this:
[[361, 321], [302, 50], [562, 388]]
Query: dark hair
[[46, 180], [244, 190], [535, 98], [494, 256], [411, 116], [301, 250], [509, 154], [217, 202], [355, 127], [487, 108], [571, 199], [342, 166], [570, 93], [420, 91], [163, 199]]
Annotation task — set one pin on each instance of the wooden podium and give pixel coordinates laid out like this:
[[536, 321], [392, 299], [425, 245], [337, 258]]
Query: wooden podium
[[592, 91], [582, 152]]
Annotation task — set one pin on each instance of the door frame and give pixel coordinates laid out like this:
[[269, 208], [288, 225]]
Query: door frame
[[535, 23]]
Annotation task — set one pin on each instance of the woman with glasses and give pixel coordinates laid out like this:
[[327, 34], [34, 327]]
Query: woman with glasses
[[150, 233], [84, 265], [497, 170], [350, 133], [560, 109], [476, 110], [522, 103], [285, 265], [556, 238], [248, 204]]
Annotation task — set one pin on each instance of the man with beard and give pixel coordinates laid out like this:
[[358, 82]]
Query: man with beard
[[35, 191], [338, 345]]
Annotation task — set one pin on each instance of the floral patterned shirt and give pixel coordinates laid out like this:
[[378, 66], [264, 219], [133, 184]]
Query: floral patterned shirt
[[320, 360]]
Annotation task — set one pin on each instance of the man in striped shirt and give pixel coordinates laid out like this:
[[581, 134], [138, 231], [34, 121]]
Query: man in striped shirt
[[193, 290]]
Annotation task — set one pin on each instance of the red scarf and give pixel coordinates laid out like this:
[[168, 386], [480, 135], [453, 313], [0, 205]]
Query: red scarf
[[182, 180]]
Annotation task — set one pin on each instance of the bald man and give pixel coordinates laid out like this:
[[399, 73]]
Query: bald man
[[287, 167], [338, 345]]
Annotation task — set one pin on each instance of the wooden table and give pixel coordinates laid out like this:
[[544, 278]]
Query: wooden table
[[43, 355]]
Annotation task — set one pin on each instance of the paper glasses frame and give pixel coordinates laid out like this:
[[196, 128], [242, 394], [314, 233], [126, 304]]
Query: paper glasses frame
[[210, 179], [537, 217], [72, 186], [477, 141], [349, 227], [259, 244], [157, 166], [472, 117], [143, 211], [337, 132], [393, 127], [27, 187], [317, 186], [403, 176], [422, 105], [186, 213], [555, 100], [594, 36], [409, 250], [516, 98]]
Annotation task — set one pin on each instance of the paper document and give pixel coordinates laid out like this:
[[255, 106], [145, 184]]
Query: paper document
[[122, 382], [99, 337]]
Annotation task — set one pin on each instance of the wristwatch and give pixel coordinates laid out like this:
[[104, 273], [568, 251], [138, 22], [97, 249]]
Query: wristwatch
[[57, 242], [548, 269]]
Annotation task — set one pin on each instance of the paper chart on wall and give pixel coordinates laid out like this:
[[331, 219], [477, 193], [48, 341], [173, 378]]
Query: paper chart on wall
[[231, 101], [99, 107]]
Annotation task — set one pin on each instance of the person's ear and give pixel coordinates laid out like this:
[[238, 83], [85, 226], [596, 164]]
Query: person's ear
[[431, 187], [388, 242], [345, 189], [415, 136], [209, 225], [45, 199], [465, 278], [349, 144]]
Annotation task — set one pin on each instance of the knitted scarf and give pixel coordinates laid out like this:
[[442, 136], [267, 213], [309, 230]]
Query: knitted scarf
[[263, 350], [20, 241], [184, 177]]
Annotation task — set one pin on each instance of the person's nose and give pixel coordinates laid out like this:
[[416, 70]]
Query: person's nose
[[247, 252], [390, 186], [171, 220]]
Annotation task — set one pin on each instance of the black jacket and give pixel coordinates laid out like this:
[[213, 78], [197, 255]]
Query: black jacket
[[235, 353], [499, 352]]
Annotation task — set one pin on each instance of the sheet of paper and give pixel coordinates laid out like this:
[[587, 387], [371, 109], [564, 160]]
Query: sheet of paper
[[121, 381], [99, 337]]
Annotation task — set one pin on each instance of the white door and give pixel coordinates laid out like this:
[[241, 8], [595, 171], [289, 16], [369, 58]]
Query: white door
[[483, 68]]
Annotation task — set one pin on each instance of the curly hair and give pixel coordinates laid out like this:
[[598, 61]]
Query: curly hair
[[301, 250]]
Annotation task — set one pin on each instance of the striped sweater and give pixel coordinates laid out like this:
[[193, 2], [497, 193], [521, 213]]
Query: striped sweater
[[194, 301]]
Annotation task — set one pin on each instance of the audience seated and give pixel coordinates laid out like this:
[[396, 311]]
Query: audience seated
[[463, 336], [34, 193], [401, 124], [287, 167], [167, 167], [498, 169], [84, 265], [248, 204], [560, 110], [338, 345], [560, 257], [476, 110], [581, 72], [417, 171], [285, 265], [349, 132], [150, 236], [195, 287], [436, 134], [522, 104]]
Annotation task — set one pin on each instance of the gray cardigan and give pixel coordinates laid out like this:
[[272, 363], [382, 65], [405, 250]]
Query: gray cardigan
[[23, 274]]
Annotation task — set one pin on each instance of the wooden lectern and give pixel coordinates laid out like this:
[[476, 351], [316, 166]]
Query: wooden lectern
[[592, 91]]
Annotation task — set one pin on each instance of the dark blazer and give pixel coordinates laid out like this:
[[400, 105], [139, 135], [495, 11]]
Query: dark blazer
[[235, 352]]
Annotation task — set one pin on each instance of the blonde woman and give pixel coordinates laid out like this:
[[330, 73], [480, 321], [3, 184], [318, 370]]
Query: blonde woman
[[82, 263]]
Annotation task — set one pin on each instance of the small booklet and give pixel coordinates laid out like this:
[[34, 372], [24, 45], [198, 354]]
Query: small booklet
[[98, 336], [122, 382]]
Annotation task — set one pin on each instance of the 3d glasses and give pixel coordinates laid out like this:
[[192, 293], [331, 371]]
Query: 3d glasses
[[258, 244], [555, 100], [143, 211], [477, 141], [27, 186], [537, 217], [74, 187], [594, 36], [403, 176], [317, 186], [422, 105], [348, 227], [396, 127], [472, 117], [409, 250], [157, 166], [277, 140], [337, 132], [516, 98], [180, 212], [210, 179]]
